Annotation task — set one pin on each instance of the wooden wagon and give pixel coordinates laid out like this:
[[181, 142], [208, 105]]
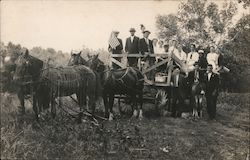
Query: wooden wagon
[[158, 86]]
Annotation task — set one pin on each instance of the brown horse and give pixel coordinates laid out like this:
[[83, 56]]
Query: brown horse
[[49, 83], [128, 81]]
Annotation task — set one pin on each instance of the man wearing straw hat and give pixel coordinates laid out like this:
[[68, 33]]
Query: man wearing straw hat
[[146, 48], [115, 47]]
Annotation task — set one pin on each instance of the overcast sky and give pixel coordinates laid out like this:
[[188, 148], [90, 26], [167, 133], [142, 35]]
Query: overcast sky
[[66, 25]]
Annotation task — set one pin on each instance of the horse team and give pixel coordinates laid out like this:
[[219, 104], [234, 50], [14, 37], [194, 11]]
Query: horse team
[[89, 80]]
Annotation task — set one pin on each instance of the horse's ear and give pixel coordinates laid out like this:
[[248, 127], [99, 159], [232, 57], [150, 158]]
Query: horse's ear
[[79, 53], [26, 52]]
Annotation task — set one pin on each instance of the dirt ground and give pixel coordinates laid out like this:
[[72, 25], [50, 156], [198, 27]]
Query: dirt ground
[[124, 138]]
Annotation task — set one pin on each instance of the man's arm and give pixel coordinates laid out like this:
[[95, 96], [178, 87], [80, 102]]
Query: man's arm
[[141, 46], [126, 45]]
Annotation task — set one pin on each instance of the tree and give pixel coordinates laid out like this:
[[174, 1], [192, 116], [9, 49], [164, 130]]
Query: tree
[[167, 26], [197, 21], [246, 3]]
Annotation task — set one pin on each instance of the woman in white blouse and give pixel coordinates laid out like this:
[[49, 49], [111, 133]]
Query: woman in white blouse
[[212, 58]]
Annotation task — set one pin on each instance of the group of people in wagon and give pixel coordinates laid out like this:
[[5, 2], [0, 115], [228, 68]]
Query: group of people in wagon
[[193, 66]]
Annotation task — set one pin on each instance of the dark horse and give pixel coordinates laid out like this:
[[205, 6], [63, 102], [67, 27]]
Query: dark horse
[[49, 83], [128, 81]]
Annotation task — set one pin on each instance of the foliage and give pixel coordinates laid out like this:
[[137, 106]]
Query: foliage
[[162, 138], [203, 23], [246, 3]]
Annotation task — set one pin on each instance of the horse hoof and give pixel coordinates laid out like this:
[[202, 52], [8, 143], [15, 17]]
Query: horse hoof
[[140, 118], [140, 115], [135, 113], [111, 117]]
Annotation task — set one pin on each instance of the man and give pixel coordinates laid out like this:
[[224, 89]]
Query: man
[[145, 44], [195, 75], [192, 57], [146, 47], [178, 83], [212, 84], [117, 49], [132, 47]]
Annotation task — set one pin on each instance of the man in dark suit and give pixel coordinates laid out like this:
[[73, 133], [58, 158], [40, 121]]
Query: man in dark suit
[[117, 50], [196, 75], [132, 47], [212, 85], [146, 47], [178, 83], [145, 44]]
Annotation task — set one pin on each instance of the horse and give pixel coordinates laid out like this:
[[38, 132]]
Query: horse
[[27, 70], [128, 81], [197, 94], [50, 83]]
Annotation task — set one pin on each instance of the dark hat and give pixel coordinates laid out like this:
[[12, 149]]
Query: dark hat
[[196, 63], [116, 32], [192, 44], [210, 65], [146, 31], [132, 30]]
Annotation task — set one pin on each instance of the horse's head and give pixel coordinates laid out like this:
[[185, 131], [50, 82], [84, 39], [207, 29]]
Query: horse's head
[[96, 64], [27, 67], [76, 59]]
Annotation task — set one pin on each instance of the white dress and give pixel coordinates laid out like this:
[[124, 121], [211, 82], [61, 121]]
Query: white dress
[[212, 58], [192, 57]]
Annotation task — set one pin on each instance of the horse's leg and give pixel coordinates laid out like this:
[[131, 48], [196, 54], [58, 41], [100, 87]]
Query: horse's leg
[[196, 106], [91, 102], [111, 103], [20, 95], [53, 107], [36, 107], [119, 105], [141, 103], [134, 105], [106, 103], [200, 106]]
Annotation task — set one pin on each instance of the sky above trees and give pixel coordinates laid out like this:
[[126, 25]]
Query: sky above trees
[[66, 25]]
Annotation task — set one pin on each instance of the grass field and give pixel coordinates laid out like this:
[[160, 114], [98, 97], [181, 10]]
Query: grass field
[[124, 138]]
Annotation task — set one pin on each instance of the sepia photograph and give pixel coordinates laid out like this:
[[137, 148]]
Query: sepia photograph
[[123, 79]]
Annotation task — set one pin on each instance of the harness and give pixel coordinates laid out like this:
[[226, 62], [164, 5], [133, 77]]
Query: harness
[[121, 79]]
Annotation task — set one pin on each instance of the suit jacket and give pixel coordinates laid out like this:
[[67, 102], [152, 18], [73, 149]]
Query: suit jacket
[[212, 85], [118, 49], [144, 47], [181, 82], [191, 77], [202, 62], [132, 47]]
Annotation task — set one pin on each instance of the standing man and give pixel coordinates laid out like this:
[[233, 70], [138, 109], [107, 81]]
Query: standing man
[[212, 85], [195, 75], [115, 47], [202, 62], [132, 47], [146, 48], [178, 84], [192, 57]]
